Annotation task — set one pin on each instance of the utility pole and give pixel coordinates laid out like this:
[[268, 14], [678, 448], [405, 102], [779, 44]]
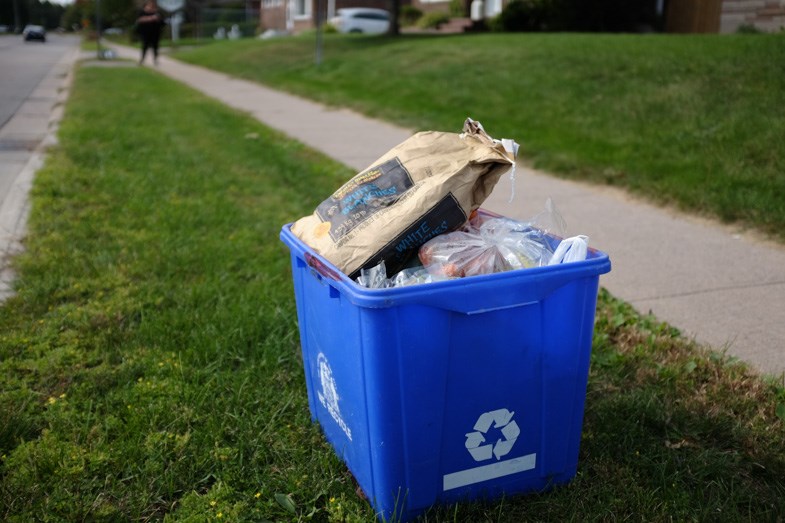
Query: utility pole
[[319, 31], [98, 28], [17, 18]]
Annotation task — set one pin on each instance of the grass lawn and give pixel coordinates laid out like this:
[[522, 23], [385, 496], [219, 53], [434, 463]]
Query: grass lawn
[[150, 367], [694, 121]]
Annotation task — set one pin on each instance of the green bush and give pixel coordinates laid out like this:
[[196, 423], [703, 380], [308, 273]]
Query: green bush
[[523, 15], [433, 20], [409, 15], [578, 15], [457, 8], [748, 29]]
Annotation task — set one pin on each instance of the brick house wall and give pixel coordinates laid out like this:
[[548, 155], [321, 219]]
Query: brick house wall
[[491, 8], [723, 16], [765, 15], [436, 6], [272, 15]]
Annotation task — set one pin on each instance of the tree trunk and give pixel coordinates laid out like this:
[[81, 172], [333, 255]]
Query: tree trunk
[[395, 11]]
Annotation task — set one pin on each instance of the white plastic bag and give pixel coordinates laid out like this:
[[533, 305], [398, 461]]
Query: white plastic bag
[[570, 250]]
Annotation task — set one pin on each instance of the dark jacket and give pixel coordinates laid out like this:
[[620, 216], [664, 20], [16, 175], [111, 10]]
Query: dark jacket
[[147, 27]]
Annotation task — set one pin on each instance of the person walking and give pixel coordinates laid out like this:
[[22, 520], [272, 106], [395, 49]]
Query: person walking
[[148, 25]]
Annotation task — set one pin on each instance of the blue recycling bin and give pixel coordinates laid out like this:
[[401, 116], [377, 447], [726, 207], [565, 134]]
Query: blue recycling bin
[[448, 391]]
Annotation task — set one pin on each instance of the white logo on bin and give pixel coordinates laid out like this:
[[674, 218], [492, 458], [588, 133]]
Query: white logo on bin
[[481, 446], [328, 396], [500, 419]]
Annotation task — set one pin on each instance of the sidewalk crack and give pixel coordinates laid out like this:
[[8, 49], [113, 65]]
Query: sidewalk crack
[[707, 291]]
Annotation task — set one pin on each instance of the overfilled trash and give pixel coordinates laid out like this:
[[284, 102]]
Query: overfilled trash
[[426, 186], [376, 277], [486, 244], [412, 217]]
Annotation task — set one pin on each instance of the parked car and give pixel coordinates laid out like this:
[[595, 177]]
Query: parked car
[[34, 32], [361, 20]]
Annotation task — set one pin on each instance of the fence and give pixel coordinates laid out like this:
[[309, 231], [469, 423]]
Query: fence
[[207, 23]]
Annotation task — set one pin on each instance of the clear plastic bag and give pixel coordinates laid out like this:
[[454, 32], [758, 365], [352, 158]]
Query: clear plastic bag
[[490, 244], [376, 277], [486, 244]]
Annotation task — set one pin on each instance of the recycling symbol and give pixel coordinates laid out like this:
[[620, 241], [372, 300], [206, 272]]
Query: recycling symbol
[[330, 392], [499, 419]]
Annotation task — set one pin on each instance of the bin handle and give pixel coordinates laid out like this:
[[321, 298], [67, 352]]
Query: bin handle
[[320, 267], [499, 308]]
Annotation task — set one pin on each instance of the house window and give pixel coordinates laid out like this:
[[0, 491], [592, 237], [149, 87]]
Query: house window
[[302, 8]]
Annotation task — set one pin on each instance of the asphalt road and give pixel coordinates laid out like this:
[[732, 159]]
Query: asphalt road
[[24, 65], [32, 78]]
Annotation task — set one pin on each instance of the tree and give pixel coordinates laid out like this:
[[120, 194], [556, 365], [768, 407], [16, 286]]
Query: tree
[[395, 13], [18, 13], [114, 13]]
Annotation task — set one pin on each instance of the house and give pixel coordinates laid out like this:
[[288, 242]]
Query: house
[[293, 16], [488, 8], [681, 16], [724, 16]]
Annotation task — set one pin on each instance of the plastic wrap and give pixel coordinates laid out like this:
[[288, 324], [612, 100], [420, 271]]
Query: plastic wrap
[[486, 244], [376, 277], [490, 244]]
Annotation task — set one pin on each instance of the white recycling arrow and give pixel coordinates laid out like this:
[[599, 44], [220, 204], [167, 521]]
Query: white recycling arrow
[[511, 431], [474, 439], [504, 446], [500, 419]]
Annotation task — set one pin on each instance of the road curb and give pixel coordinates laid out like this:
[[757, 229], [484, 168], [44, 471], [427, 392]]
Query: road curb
[[15, 207]]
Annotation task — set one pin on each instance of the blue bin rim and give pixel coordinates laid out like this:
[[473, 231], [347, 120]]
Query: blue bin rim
[[597, 263]]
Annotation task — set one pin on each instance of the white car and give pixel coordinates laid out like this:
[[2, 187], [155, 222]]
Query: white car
[[361, 20]]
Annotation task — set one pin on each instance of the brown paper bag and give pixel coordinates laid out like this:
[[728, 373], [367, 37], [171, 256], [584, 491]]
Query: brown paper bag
[[426, 186]]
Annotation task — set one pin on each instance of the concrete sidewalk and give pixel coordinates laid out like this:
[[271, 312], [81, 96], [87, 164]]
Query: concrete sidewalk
[[719, 285]]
